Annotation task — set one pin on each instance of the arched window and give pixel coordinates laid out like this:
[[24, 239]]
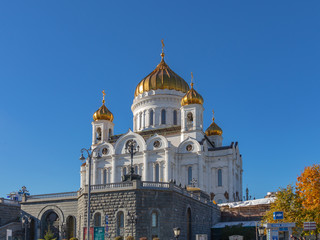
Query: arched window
[[110, 132], [154, 219], [105, 176], [98, 134], [175, 117], [71, 227], [163, 116], [136, 169], [124, 171], [120, 223], [189, 175], [219, 177], [151, 117], [157, 172], [97, 219]]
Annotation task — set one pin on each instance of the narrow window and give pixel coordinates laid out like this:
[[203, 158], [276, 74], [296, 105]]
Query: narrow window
[[136, 169], [154, 219], [189, 175], [163, 116], [151, 117], [120, 223], [219, 177], [97, 220], [104, 176], [175, 117], [124, 171], [157, 173], [110, 132]]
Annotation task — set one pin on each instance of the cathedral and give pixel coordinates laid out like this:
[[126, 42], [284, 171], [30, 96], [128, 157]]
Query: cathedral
[[173, 143], [169, 171]]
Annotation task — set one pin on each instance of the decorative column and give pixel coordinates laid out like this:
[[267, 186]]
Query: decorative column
[[153, 172], [113, 164], [102, 176], [145, 176], [167, 174], [147, 118]]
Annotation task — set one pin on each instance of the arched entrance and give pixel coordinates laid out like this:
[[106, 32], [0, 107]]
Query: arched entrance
[[50, 220], [71, 227], [189, 224]]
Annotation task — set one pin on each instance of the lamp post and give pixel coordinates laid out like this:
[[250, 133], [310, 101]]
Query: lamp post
[[132, 147], [261, 232], [176, 232], [82, 158], [132, 219], [25, 224]]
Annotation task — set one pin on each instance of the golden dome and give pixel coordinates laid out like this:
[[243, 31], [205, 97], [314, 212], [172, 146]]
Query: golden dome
[[161, 78], [103, 112], [213, 129], [191, 97]]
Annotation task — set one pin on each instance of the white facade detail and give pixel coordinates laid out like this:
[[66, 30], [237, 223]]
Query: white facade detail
[[172, 147]]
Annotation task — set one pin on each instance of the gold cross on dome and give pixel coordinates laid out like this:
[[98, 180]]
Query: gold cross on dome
[[104, 94], [162, 44], [191, 79]]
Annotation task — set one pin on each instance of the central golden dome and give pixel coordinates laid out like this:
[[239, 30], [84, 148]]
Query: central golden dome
[[162, 78]]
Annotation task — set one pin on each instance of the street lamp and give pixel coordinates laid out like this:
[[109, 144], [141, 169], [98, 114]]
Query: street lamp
[[25, 223], [82, 158], [132, 147], [176, 232], [132, 219], [261, 231]]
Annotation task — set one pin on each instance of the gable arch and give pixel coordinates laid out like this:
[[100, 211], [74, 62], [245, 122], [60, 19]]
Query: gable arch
[[196, 147], [162, 139], [120, 144], [53, 208]]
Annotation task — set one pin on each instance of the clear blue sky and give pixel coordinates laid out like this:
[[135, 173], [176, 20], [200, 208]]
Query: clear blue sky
[[255, 62]]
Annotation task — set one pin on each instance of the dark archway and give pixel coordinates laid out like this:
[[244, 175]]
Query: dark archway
[[189, 224], [70, 227], [32, 229], [50, 220]]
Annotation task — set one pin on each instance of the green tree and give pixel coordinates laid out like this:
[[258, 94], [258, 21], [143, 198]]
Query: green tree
[[289, 203]]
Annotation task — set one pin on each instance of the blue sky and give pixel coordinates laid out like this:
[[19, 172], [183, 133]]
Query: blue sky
[[255, 62]]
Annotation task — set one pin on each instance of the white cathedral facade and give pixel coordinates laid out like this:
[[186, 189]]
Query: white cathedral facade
[[173, 143]]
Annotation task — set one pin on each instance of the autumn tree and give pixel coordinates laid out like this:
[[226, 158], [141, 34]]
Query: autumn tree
[[289, 203], [308, 191], [299, 203]]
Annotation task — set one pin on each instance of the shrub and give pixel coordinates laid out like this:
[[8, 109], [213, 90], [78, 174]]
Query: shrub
[[130, 238], [49, 235], [156, 238], [143, 238], [119, 238], [73, 238]]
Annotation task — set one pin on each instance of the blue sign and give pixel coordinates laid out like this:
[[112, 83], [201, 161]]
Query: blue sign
[[283, 229], [277, 215]]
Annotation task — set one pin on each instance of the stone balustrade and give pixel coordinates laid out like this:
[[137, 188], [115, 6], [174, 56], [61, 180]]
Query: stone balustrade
[[121, 186]]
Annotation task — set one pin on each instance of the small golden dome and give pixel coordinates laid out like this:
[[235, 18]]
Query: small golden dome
[[192, 96], [103, 112], [162, 77], [213, 129]]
